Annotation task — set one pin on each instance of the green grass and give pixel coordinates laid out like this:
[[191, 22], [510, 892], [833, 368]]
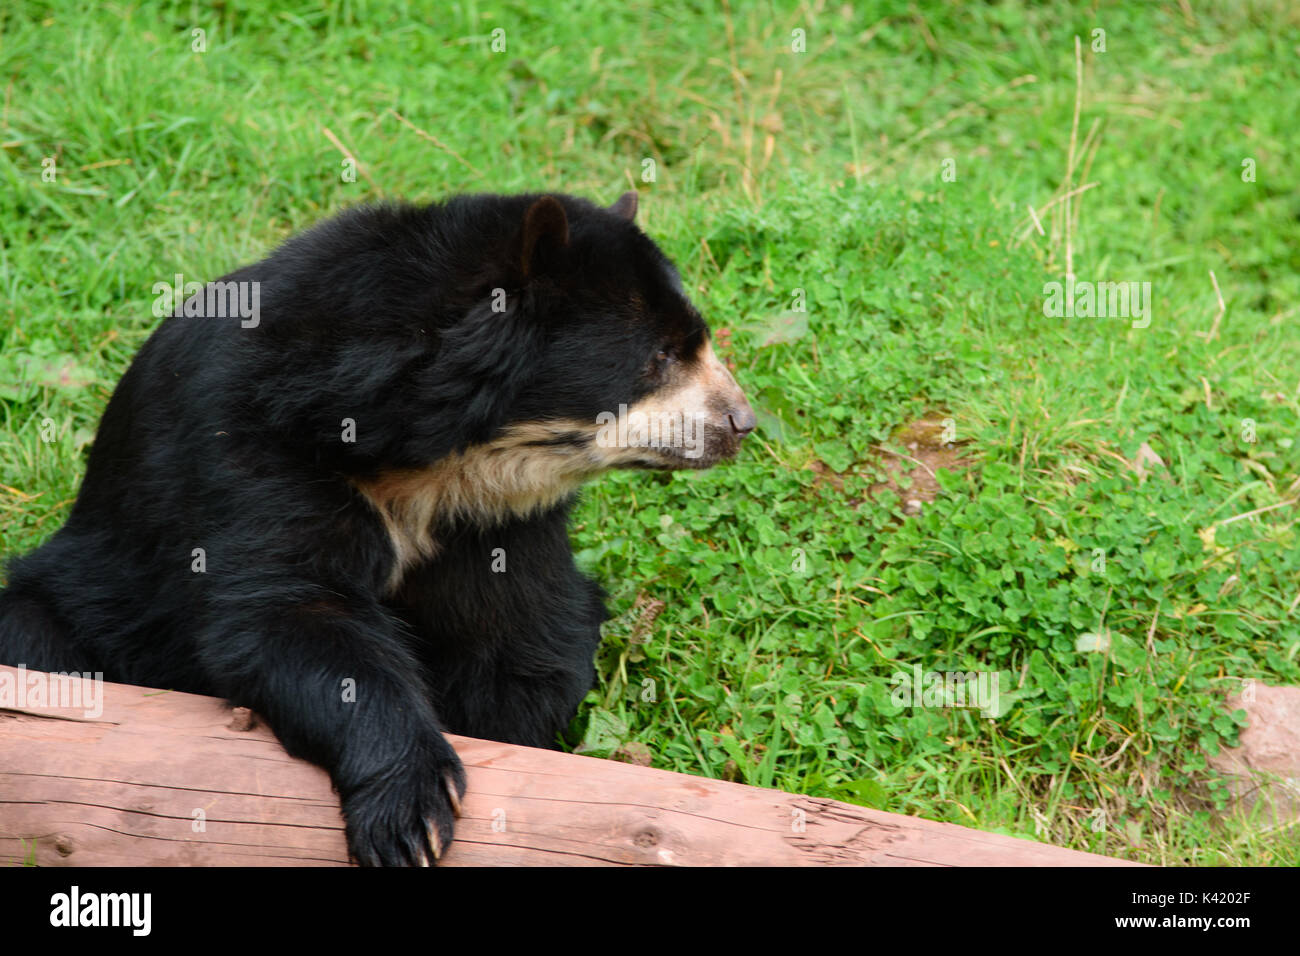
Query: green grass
[[781, 177]]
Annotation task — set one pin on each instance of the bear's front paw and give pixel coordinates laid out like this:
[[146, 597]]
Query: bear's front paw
[[406, 817]]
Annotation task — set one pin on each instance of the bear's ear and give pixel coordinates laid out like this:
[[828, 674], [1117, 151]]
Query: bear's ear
[[625, 206], [545, 227]]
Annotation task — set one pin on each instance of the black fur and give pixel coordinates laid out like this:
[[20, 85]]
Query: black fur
[[228, 439]]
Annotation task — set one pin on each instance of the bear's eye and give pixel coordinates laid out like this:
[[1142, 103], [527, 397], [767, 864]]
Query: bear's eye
[[662, 361]]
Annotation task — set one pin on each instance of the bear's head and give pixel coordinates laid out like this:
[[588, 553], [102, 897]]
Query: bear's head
[[626, 375], [575, 350]]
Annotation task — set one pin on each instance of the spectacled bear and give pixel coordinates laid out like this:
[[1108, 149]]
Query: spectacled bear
[[307, 510]]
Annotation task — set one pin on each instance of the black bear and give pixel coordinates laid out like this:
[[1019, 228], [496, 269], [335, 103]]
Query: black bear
[[345, 505]]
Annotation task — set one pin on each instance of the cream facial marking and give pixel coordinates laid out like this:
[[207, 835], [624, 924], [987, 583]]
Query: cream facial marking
[[699, 397], [532, 466], [526, 469]]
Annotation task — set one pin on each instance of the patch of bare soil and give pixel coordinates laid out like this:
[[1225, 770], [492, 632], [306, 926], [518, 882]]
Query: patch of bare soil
[[912, 457], [925, 452]]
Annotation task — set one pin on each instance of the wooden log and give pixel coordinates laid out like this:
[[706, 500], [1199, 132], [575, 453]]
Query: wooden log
[[169, 779]]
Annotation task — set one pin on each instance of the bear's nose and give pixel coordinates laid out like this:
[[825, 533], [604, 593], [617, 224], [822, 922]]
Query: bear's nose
[[742, 420]]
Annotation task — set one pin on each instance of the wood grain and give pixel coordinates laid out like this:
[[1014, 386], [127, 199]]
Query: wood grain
[[125, 788]]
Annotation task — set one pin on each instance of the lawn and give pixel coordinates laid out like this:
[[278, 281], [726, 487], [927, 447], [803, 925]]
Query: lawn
[[954, 472]]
